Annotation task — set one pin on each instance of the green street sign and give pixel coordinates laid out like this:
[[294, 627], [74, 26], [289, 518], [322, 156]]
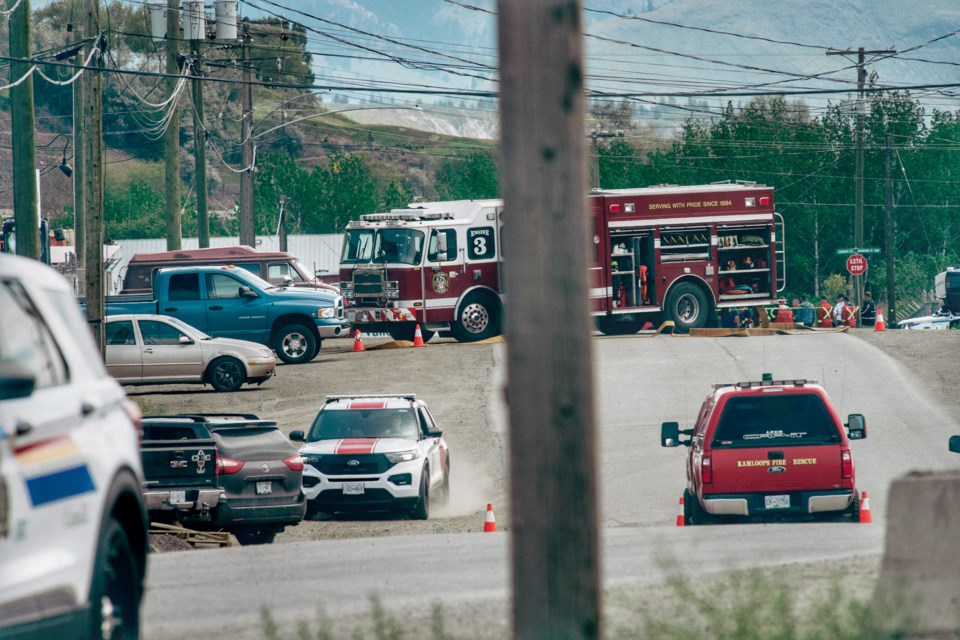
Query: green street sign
[[841, 252]]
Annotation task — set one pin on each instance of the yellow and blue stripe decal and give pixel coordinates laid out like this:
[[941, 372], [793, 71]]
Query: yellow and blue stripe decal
[[54, 470]]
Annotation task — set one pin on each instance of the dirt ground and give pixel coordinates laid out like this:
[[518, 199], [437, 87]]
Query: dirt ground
[[456, 381]]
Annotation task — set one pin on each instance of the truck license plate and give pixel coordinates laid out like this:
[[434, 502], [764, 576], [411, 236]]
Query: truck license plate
[[353, 488], [178, 497], [264, 488], [776, 502]]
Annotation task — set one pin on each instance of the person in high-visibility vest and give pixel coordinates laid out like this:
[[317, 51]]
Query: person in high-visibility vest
[[848, 315], [824, 314]]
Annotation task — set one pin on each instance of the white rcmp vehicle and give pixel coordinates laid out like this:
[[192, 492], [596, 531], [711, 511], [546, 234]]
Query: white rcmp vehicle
[[73, 529], [374, 452]]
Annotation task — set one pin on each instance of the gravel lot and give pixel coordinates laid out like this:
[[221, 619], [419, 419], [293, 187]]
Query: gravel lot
[[476, 438], [293, 397]]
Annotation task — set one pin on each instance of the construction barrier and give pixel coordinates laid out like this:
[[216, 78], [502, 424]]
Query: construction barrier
[[920, 554]]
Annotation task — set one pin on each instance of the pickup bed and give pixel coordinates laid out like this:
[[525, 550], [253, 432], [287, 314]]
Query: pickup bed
[[231, 302], [179, 468]]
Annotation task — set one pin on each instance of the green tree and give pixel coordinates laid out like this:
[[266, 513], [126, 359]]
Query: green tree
[[472, 177], [133, 210]]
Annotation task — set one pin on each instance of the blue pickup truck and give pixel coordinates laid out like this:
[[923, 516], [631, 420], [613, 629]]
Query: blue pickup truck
[[231, 302]]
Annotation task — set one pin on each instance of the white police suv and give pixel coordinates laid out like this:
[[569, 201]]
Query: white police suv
[[374, 452], [73, 531]]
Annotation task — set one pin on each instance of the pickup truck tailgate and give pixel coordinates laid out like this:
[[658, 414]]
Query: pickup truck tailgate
[[776, 469], [177, 462]]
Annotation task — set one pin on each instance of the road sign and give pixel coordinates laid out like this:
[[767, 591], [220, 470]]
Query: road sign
[[857, 265], [841, 252]]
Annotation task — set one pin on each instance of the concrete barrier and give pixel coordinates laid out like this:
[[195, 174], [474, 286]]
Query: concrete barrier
[[922, 551]]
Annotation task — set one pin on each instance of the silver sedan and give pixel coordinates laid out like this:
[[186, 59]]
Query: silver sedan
[[156, 349]]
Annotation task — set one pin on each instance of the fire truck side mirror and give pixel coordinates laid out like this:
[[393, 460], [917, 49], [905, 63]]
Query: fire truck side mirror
[[441, 246]]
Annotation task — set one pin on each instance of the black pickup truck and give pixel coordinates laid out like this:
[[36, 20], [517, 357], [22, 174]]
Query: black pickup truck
[[179, 469], [254, 469]]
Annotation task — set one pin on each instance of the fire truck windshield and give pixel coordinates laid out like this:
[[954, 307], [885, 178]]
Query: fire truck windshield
[[362, 246]]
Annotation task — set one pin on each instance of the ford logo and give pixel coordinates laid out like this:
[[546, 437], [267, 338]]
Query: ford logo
[[776, 469], [353, 463]]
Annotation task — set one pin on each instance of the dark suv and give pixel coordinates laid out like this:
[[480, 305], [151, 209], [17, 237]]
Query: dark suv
[[258, 471]]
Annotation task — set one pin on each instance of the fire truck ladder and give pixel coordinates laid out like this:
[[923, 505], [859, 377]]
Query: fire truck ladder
[[780, 252]]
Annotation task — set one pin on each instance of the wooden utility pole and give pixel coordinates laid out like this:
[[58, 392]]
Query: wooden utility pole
[[93, 182], [247, 231], [79, 170], [26, 213], [888, 248], [553, 479], [859, 134], [199, 147], [171, 135]]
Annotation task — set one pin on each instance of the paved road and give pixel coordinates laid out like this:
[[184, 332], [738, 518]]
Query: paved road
[[640, 383]]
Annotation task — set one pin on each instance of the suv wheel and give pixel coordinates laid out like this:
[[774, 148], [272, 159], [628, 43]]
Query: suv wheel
[[256, 535], [115, 595], [226, 374], [422, 510]]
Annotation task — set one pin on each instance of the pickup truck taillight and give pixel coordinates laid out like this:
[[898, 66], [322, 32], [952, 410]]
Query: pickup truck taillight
[[846, 463], [706, 469], [294, 463], [226, 466]]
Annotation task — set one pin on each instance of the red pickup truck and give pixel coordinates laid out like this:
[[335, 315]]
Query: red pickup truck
[[768, 450]]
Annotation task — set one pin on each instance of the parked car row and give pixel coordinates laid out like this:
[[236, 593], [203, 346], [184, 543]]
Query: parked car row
[[82, 472]]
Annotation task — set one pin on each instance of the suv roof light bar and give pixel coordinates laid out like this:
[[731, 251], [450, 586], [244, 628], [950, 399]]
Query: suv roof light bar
[[355, 396], [798, 382], [222, 418]]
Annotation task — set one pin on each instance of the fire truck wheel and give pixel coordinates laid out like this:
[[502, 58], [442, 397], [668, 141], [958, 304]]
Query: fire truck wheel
[[617, 326], [478, 320], [295, 344], [687, 307]]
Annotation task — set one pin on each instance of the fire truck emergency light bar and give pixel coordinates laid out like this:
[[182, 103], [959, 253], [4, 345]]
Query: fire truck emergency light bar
[[404, 214]]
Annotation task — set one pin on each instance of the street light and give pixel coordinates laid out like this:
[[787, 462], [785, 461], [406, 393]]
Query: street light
[[63, 166]]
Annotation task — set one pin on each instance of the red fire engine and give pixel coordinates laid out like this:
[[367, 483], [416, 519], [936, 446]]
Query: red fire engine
[[659, 253]]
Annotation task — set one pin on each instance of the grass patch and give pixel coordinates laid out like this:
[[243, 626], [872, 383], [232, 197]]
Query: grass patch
[[382, 625], [768, 604]]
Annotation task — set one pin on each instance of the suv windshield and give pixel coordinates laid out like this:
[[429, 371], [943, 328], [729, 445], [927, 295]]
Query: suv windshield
[[769, 420], [364, 423], [383, 245]]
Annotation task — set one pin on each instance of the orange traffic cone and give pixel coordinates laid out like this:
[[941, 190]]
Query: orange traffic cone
[[490, 525], [418, 338], [865, 516], [879, 325], [358, 343], [681, 520]]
